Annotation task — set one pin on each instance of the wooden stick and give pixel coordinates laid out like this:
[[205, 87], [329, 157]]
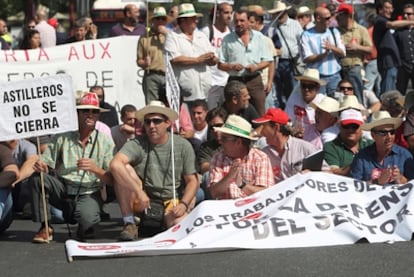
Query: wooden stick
[[43, 194]]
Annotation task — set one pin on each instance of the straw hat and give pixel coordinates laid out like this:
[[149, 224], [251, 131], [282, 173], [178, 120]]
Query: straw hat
[[351, 102], [312, 75], [156, 107], [279, 6], [187, 10], [236, 126], [160, 12], [327, 104], [88, 101], [304, 10], [274, 115], [382, 118], [256, 9]]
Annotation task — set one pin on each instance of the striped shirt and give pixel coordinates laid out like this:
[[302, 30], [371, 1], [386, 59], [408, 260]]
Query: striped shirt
[[292, 31], [256, 168], [311, 44]]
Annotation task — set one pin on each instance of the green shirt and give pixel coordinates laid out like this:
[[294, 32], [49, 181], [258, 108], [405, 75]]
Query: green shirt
[[158, 172], [63, 152], [338, 154]]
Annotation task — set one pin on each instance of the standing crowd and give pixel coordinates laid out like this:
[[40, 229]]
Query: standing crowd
[[256, 100]]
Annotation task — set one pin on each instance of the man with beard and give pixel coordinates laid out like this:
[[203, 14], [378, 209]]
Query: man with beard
[[383, 162], [130, 25], [80, 162], [340, 152]]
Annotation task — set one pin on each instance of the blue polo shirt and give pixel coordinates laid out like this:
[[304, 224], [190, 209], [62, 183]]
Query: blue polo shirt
[[365, 162]]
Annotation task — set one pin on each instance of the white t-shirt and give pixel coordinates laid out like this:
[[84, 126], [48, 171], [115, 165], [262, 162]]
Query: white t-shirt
[[201, 135], [219, 77]]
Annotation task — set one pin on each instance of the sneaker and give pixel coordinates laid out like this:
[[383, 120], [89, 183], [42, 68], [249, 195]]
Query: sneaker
[[129, 233], [41, 236], [87, 234]]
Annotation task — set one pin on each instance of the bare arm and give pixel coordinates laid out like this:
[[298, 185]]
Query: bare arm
[[27, 169], [9, 174]]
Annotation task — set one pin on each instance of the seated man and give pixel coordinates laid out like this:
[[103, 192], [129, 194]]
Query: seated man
[[80, 160], [340, 152], [298, 105], [236, 101], [150, 155], [238, 170], [383, 162], [127, 130], [285, 152], [8, 174]]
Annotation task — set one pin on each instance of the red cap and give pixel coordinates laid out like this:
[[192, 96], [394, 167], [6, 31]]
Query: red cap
[[345, 8], [53, 22], [275, 115]]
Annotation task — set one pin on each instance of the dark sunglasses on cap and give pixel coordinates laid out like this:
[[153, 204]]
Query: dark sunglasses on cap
[[155, 120], [94, 111], [383, 133]]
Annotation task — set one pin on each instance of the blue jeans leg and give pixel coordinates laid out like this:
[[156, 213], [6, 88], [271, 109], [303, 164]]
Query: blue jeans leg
[[6, 204], [389, 79]]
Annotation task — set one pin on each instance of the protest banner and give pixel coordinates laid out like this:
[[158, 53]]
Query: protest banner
[[37, 107], [313, 209], [110, 63], [354, 2]]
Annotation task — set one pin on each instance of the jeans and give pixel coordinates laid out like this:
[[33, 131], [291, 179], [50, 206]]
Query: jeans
[[353, 74], [331, 84], [373, 77], [389, 79], [6, 212], [285, 81]]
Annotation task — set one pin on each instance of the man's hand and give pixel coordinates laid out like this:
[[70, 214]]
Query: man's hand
[[140, 202], [87, 164], [41, 166]]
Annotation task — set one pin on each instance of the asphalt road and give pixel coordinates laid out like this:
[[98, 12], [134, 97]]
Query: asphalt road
[[20, 257]]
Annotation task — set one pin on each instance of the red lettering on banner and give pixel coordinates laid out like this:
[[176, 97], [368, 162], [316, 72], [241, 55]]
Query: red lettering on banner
[[10, 54], [42, 53], [105, 50], [73, 52], [85, 54]]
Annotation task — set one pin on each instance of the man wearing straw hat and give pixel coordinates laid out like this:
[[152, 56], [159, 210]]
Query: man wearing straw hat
[[286, 33], [238, 170], [150, 56], [151, 157], [191, 55], [80, 160], [383, 162], [304, 17]]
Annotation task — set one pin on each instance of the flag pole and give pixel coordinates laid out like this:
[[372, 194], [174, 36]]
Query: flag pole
[[43, 194]]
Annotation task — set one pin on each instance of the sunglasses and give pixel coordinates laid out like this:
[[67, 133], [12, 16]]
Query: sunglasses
[[350, 126], [383, 133], [408, 13], [346, 88], [216, 125], [90, 111], [155, 120], [308, 86], [327, 18]]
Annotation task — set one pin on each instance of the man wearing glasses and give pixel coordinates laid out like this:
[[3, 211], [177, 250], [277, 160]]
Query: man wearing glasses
[[149, 157], [321, 48], [340, 152], [80, 160], [383, 162]]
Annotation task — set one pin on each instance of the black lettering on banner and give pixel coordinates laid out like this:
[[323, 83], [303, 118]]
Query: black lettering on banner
[[140, 75], [297, 208], [406, 189], [324, 222], [321, 186], [362, 186], [386, 199], [401, 212], [388, 226], [261, 231], [49, 107], [36, 125], [343, 186], [104, 78], [19, 111], [310, 183], [373, 210], [325, 206]]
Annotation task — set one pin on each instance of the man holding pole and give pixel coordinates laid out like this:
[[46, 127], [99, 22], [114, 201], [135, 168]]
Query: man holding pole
[[170, 178], [80, 160]]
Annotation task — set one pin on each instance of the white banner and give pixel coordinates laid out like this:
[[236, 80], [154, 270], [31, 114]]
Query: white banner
[[110, 63], [313, 209], [231, 2], [36, 107]]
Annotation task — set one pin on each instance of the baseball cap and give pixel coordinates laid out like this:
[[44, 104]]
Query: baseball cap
[[351, 116], [345, 8], [275, 115]]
